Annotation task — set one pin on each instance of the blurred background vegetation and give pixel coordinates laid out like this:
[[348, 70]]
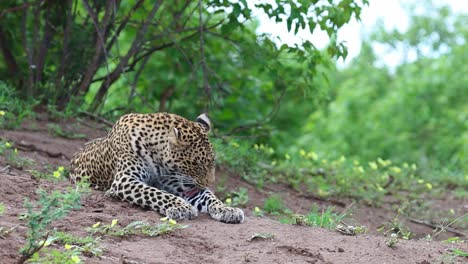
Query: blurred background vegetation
[[278, 109]]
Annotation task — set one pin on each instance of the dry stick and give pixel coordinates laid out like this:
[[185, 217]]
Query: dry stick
[[31, 147], [449, 229], [96, 117]]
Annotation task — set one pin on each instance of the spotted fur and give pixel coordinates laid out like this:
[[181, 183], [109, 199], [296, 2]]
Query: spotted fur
[[159, 161]]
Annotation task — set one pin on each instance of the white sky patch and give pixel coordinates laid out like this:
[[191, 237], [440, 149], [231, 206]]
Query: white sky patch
[[391, 13]]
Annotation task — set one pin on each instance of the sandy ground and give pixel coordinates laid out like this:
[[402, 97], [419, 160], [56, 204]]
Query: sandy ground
[[204, 240]]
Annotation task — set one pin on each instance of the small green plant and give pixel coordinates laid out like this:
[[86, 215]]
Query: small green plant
[[13, 110], [395, 230], [274, 205], [11, 155], [60, 173], [70, 255], [325, 218], [2, 208], [460, 253], [238, 198], [136, 227], [57, 131], [258, 212], [49, 208], [87, 245]]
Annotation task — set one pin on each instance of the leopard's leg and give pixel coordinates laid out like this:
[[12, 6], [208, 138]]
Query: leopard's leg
[[130, 185], [206, 201]]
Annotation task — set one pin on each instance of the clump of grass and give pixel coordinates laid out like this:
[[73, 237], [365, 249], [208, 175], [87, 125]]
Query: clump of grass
[[274, 205], [325, 218]]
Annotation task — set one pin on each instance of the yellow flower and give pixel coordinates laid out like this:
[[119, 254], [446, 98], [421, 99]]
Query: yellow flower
[[429, 186], [2, 113], [228, 201], [164, 219], [312, 155], [384, 163], [287, 157], [56, 174], [172, 222], [359, 169], [67, 246], [302, 152], [395, 169], [75, 259], [373, 165], [322, 193], [256, 209], [114, 222], [60, 169], [342, 159], [45, 243], [96, 224], [271, 151], [7, 144], [413, 166]]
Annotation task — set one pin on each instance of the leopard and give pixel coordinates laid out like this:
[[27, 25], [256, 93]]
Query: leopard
[[158, 161]]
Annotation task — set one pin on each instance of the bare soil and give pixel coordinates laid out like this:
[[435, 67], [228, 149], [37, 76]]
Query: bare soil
[[205, 240]]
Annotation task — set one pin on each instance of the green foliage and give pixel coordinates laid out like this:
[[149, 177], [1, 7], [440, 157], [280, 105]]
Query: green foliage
[[136, 227], [2, 208], [11, 155], [274, 204], [320, 218], [13, 109], [49, 208], [87, 245], [54, 256], [413, 113], [238, 198]]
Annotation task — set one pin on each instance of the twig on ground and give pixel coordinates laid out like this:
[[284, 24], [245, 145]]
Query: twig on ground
[[31, 147], [447, 228], [96, 117]]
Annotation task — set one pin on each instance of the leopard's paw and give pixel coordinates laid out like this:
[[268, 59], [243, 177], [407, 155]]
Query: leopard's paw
[[226, 214], [181, 211]]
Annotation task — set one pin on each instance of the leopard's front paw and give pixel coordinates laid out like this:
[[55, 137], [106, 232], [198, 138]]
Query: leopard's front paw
[[225, 214], [181, 211]]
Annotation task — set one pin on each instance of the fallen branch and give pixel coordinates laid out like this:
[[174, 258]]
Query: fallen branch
[[449, 229], [333, 201], [24, 146], [96, 117]]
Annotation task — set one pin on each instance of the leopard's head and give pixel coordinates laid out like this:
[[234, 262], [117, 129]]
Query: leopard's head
[[191, 151]]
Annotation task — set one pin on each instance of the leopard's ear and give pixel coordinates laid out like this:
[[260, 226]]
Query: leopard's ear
[[175, 138], [205, 121]]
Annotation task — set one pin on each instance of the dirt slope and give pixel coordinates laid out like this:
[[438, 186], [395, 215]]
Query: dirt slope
[[204, 241]]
